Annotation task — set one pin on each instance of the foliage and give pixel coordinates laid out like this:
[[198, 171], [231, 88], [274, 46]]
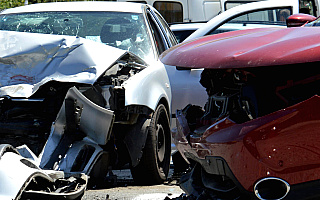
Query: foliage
[[10, 3]]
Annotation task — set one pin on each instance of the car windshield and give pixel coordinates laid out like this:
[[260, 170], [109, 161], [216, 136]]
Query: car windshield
[[119, 29]]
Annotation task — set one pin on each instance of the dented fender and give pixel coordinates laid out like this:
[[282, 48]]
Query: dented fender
[[155, 77]]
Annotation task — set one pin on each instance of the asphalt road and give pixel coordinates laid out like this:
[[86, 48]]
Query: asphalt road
[[121, 187]]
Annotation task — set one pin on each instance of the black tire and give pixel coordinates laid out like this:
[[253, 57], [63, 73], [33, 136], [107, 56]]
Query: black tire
[[154, 165]]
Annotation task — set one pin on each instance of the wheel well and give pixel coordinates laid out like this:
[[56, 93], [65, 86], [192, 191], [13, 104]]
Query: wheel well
[[166, 105]]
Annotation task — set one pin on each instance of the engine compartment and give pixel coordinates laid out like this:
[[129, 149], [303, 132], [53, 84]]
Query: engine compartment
[[244, 94], [28, 120]]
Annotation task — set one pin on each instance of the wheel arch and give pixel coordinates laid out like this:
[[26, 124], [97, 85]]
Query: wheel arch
[[164, 102], [136, 137]]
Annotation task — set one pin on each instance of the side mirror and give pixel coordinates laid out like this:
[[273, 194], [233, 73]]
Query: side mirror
[[300, 19]]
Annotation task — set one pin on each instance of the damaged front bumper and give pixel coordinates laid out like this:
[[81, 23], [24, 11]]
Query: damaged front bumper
[[74, 143], [232, 159]]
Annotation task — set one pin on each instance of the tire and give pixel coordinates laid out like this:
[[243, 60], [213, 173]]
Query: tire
[[154, 165]]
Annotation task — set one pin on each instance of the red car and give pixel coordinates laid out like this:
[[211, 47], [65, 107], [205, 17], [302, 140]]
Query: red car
[[258, 136]]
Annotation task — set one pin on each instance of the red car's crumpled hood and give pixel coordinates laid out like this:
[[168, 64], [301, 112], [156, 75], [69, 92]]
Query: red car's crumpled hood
[[248, 48]]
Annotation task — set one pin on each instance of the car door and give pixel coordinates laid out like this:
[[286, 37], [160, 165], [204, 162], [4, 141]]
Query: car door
[[184, 83]]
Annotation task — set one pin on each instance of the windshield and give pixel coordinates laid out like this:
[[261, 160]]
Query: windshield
[[123, 30]]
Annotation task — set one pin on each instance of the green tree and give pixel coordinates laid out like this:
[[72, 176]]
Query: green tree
[[10, 3]]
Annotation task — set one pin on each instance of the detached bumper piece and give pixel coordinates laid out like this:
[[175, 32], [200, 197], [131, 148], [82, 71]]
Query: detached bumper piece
[[70, 188], [21, 178]]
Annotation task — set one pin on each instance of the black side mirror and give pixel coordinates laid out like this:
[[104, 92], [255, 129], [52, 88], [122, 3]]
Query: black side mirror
[[300, 19]]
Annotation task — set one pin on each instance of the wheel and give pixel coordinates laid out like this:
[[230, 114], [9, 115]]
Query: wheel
[[154, 165]]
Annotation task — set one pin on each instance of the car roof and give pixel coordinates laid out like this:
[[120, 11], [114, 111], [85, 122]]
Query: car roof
[[78, 6], [247, 48], [235, 11]]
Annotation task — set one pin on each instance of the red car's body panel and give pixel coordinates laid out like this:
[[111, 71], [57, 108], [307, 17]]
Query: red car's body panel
[[261, 121], [240, 49], [284, 144]]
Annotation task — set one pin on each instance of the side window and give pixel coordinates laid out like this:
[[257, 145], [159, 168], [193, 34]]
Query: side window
[[256, 19], [171, 11], [159, 43], [172, 39], [266, 16]]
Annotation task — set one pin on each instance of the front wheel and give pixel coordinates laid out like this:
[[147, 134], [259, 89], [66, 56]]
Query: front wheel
[[154, 165]]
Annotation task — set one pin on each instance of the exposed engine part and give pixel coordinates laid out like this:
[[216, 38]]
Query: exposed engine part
[[28, 121], [119, 73], [245, 94]]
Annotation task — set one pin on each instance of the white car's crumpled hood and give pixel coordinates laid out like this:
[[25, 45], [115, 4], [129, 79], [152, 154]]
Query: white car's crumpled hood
[[28, 60]]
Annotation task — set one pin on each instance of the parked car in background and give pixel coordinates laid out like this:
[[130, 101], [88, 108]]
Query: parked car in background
[[260, 14], [182, 31], [271, 13], [257, 137], [91, 70]]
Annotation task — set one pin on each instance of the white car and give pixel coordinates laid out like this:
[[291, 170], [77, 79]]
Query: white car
[[262, 14], [247, 16], [92, 70]]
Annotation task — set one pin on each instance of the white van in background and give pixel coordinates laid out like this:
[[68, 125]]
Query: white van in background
[[178, 11]]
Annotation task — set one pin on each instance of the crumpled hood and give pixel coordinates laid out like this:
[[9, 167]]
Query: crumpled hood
[[28, 60], [248, 48]]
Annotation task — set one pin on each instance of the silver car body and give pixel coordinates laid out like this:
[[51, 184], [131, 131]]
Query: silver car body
[[102, 56], [114, 92]]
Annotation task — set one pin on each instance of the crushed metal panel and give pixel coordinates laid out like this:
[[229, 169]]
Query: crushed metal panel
[[96, 122], [69, 163], [29, 60], [93, 121], [21, 178], [70, 188], [16, 172]]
